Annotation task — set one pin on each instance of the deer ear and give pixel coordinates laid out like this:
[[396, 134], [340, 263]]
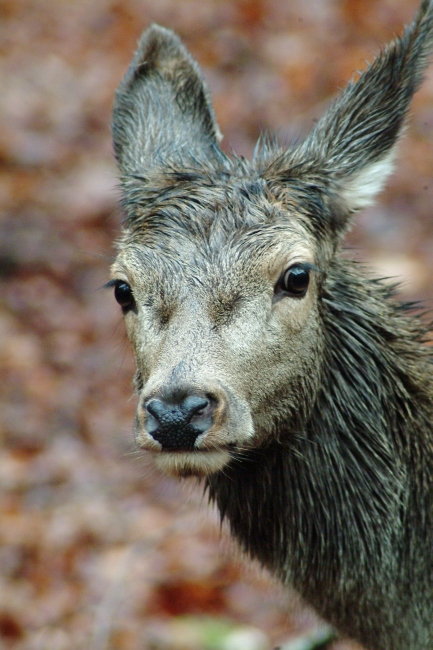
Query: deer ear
[[162, 109], [349, 153]]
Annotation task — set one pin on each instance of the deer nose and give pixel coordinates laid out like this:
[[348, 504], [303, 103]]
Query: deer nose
[[176, 421]]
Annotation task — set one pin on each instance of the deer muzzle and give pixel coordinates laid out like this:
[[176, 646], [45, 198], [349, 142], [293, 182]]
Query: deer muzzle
[[190, 429]]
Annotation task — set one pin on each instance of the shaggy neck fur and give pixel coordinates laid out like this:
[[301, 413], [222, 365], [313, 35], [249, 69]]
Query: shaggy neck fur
[[331, 509]]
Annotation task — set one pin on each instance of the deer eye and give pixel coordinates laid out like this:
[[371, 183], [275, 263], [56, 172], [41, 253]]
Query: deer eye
[[124, 296], [295, 280]]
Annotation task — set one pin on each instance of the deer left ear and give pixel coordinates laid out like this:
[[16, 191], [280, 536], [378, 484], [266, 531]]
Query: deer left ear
[[162, 110], [350, 151]]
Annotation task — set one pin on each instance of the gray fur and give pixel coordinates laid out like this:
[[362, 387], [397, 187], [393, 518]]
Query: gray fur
[[320, 455]]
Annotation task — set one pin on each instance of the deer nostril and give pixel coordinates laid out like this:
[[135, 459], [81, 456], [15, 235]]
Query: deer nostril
[[194, 405], [157, 409]]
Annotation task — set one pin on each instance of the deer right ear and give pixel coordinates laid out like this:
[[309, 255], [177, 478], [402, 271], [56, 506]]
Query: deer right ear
[[162, 108], [349, 153]]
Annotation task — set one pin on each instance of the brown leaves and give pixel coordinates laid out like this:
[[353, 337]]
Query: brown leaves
[[97, 551]]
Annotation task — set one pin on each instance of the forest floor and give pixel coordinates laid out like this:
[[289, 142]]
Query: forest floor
[[97, 550]]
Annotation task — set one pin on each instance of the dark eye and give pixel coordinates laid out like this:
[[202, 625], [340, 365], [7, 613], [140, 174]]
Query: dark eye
[[295, 280], [124, 296]]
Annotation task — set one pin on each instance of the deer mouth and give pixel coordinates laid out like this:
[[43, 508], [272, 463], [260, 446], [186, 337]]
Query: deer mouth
[[196, 462]]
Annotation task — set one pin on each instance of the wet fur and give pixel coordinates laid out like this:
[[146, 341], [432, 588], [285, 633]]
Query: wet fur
[[334, 493]]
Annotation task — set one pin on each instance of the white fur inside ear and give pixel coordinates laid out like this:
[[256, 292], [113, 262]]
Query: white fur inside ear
[[359, 190]]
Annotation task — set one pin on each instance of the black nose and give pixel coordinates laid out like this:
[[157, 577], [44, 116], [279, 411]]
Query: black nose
[[176, 421]]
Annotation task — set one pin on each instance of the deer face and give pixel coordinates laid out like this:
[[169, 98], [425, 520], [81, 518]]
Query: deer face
[[224, 324]]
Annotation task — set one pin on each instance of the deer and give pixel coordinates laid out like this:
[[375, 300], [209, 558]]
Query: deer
[[280, 373]]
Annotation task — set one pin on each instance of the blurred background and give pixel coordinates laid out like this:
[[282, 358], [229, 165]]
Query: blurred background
[[98, 551]]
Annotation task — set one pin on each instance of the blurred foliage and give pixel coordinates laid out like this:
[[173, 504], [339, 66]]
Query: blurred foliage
[[97, 550]]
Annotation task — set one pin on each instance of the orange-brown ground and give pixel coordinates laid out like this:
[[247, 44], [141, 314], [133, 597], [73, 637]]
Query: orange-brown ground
[[97, 550]]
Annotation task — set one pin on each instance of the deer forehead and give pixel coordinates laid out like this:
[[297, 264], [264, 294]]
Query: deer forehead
[[253, 256]]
